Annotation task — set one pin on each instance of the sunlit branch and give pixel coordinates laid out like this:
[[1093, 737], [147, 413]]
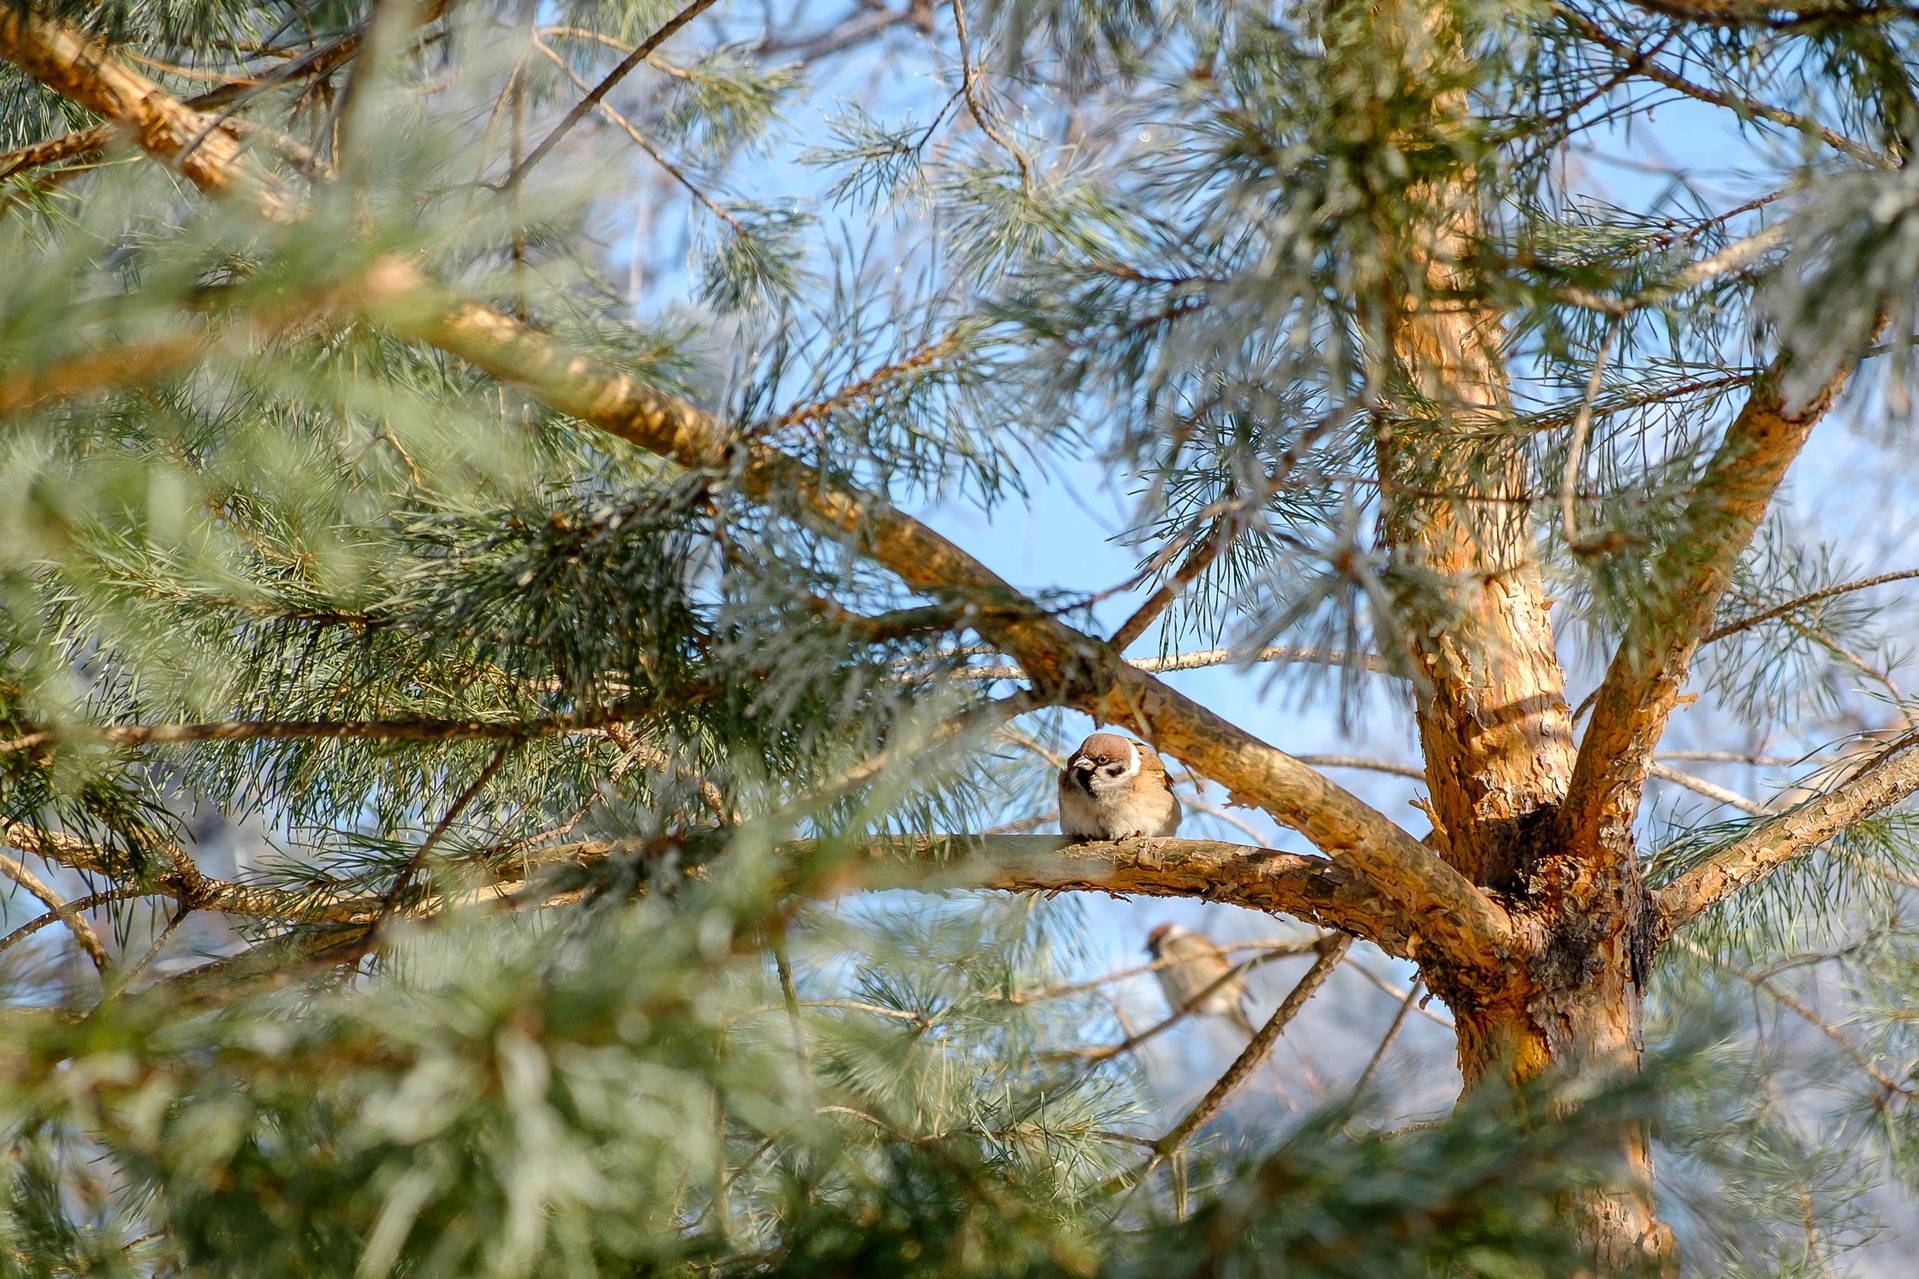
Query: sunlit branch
[[1641, 687], [1891, 777]]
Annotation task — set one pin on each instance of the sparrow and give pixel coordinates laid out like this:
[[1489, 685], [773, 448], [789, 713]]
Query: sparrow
[[1197, 964], [1114, 788]]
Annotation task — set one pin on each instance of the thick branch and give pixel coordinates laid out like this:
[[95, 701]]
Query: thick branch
[[1890, 778], [1690, 575], [1315, 889], [1066, 666], [248, 730]]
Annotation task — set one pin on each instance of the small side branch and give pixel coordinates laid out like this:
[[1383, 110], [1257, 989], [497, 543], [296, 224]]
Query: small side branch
[[1576, 452], [1700, 786], [1805, 601], [1331, 951], [1763, 982], [586, 104], [76, 923], [1371, 1072], [1888, 779], [390, 730]]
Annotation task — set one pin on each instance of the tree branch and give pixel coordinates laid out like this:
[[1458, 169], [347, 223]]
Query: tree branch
[[1317, 890], [1331, 951], [1771, 16], [1763, 983], [253, 730], [183, 881], [1209, 657], [1432, 905], [1691, 574], [1891, 777], [1746, 107], [604, 87], [76, 923], [1700, 786], [1794, 605]]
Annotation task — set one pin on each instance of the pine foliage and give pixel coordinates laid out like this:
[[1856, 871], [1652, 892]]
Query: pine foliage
[[519, 723]]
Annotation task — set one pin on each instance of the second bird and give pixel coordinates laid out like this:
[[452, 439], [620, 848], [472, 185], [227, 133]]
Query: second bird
[[1192, 965], [1114, 788]]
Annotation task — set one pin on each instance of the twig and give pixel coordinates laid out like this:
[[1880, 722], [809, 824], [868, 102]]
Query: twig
[[1387, 766], [639, 140], [1397, 993], [1576, 449], [1745, 757], [86, 903], [433, 837], [1793, 605], [600, 90], [1742, 106], [70, 916], [1106, 1052], [1700, 786], [1765, 984], [398, 730], [1731, 258], [1392, 1032], [973, 107], [857, 390], [1333, 948], [1268, 951]]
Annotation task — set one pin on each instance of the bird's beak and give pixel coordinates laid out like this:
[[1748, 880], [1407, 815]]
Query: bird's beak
[[1082, 773]]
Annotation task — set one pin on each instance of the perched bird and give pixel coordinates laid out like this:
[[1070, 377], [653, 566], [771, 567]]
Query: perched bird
[[1114, 788], [1196, 964]]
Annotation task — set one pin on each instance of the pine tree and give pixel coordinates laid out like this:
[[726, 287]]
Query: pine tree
[[578, 647]]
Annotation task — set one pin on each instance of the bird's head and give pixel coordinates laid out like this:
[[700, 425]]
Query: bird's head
[[1159, 936], [1104, 762]]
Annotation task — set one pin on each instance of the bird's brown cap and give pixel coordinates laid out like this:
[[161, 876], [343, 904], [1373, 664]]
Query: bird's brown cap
[[1109, 746]]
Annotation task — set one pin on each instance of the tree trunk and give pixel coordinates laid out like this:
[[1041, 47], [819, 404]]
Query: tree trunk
[[1457, 506], [1592, 1028]]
